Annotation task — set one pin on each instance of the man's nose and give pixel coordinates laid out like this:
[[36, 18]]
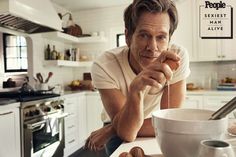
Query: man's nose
[[153, 45]]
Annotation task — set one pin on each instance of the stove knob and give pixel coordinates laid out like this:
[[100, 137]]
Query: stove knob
[[31, 113], [36, 112], [27, 114], [47, 109], [56, 107], [62, 106]]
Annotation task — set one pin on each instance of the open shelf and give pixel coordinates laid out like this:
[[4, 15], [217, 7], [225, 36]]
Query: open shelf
[[65, 63], [69, 39]]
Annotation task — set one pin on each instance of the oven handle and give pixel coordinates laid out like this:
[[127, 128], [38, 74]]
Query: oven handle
[[34, 125], [63, 115], [37, 124]]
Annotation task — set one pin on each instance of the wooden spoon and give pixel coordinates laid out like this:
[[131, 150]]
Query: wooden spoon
[[49, 76]]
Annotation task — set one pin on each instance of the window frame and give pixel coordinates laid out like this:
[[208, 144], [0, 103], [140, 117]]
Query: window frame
[[117, 39], [5, 55]]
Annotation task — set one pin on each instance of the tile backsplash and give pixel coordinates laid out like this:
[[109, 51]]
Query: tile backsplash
[[208, 74]]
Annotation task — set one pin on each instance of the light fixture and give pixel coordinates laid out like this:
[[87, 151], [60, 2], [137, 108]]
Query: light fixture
[[70, 21], [70, 27]]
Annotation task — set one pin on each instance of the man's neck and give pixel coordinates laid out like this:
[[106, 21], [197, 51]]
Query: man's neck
[[135, 66]]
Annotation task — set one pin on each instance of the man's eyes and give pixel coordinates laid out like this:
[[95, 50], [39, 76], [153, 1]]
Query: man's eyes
[[144, 35], [148, 36], [161, 37]]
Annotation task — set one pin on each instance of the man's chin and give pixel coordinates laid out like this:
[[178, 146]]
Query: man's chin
[[146, 61]]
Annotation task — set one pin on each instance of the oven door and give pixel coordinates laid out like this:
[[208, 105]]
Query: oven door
[[44, 137]]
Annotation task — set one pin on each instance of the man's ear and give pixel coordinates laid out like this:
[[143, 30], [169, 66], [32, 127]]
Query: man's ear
[[127, 37]]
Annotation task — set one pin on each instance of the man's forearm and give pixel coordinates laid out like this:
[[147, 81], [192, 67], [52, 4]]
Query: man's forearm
[[147, 129], [130, 119]]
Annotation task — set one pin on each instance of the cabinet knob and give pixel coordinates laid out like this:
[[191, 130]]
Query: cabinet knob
[[223, 56], [219, 56]]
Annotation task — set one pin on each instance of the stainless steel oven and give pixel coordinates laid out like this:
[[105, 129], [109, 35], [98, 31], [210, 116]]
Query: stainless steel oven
[[42, 128]]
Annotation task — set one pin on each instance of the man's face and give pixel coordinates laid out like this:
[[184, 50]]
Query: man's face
[[150, 38]]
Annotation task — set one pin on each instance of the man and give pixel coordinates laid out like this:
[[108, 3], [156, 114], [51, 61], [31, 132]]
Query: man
[[132, 80]]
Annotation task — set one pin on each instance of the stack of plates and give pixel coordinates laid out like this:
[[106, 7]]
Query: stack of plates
[[227, 86]]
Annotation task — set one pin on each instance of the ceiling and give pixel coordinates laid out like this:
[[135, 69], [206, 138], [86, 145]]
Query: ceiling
[[76, 5]]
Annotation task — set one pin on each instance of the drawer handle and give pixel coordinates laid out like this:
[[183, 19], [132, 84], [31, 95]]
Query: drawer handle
[[2, 114], [69, 127], [71, 141]]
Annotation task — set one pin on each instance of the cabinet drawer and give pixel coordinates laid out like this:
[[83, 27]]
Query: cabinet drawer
[[70, 108], [70, 124], [71, 139]]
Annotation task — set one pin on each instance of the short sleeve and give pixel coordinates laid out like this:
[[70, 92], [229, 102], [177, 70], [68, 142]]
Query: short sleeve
[[102, 77], [183, 70]]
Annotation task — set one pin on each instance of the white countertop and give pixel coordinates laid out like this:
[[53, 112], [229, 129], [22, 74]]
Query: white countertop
[[149, 145], [210, 92]]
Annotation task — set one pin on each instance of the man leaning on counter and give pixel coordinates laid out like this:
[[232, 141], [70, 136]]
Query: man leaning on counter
[[133, 80]]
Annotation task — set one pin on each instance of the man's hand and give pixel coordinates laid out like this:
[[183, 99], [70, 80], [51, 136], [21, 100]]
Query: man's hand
[[157, 73], [97, 140]]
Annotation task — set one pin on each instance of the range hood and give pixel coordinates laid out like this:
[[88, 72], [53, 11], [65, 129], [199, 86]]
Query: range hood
[[29, 16]]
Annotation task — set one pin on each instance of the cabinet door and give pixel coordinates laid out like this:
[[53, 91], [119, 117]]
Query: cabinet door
[[10, 134], [82, 119], [216, 102], [71, 125], [228, 45], [184, 32], [207, 49], [193, 101], [94, 109]]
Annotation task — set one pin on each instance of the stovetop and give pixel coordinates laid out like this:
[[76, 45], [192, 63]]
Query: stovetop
[[28, 96]]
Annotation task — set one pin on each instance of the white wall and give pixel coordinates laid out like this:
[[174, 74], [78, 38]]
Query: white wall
[[61, 75], [110, 20]]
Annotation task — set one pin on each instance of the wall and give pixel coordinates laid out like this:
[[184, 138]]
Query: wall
[[110, 20], [61, 75]]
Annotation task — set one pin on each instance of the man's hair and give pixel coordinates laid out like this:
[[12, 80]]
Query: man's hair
[[133, 12]]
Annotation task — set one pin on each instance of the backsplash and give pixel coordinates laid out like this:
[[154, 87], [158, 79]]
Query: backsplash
[[208, 74]]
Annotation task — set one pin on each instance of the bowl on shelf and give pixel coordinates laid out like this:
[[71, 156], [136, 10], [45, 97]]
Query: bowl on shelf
[[180, 131]]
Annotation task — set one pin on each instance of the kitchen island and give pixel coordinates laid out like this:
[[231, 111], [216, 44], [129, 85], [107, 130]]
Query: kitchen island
[[149, 145], [152, 149]]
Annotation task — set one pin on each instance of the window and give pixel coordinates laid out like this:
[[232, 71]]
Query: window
[[120, 40], [15, 53]]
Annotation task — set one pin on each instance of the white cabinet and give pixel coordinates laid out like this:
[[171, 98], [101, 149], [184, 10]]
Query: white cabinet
[[213, 49], [193, 101], [215, 102], [71, 125], [10, 131], [208, 100], [228, 45], [75, 122], [94, 109], [82, 105], [184, 32]]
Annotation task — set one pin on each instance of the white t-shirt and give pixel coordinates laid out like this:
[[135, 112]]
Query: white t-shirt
[[112, 70]]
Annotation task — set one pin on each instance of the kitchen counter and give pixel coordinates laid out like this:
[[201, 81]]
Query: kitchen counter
[[149, 145], [210, 92], [6, 101]]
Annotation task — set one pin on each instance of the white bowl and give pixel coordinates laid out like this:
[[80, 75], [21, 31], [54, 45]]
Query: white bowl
[[180, 131]]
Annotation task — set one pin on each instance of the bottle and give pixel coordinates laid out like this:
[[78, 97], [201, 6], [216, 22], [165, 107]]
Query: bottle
[[54, 53], [47, 53]]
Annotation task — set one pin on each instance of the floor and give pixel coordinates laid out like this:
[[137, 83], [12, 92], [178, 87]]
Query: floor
[[87, 153]]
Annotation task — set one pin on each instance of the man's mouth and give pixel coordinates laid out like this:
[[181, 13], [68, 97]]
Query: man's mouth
[[149, 57]]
